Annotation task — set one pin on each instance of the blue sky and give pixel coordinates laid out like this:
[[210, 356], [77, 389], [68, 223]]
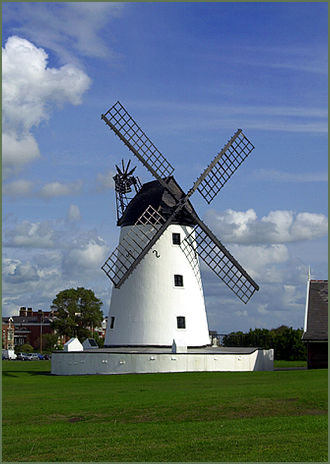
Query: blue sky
[[190, 74]]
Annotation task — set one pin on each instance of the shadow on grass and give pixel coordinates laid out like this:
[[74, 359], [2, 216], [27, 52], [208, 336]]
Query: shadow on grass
[[11, 374]]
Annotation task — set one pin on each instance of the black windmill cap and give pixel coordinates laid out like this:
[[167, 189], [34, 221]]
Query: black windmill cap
[[161, 199]]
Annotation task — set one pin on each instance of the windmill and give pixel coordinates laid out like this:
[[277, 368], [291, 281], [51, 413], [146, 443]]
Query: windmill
[[157, 295]]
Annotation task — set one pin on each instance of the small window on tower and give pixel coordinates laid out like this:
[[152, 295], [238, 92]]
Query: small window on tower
[[176, 239], [112, 322], [181, 322], [178, 280]]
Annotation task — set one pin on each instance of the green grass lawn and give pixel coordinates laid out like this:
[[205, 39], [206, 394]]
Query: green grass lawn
[[183, 417], [286, 364]]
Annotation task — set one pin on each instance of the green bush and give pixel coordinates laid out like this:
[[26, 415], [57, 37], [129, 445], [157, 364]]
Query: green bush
[[26, 348], [99, 340], [285, 341]]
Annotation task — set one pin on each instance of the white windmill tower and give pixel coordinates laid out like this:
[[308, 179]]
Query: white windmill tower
[[157, 295]]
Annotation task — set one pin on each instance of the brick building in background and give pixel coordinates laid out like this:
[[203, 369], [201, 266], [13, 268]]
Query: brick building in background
[[29, 327]]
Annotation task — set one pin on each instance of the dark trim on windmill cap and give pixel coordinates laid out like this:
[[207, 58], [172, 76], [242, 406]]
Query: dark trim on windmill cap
[[161, 199]]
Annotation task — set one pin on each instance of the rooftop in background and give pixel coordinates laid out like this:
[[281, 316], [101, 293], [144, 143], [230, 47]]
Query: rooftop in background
[[317, 311], [27, 315]]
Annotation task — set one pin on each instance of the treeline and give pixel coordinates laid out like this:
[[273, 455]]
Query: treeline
[[285, 341]]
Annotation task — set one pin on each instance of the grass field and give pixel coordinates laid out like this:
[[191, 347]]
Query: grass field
[[285, 364], [183, 417]]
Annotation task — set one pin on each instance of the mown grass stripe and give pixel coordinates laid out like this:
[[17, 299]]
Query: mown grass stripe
[[188, 417]]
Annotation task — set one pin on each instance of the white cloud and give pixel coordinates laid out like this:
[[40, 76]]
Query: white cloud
[[43, 258], [36, 285], [304, 59], [81, 251], [214, 117], [309, 226], [214, 109], [261, 262], [32, 235], [29, 90], [18, 188], [277, 302], [24, 188], [270, 251], [73, 213], [264, 247], [262, 308], [58, 189], [277, 227], [290, 296], [48, 26], [16, 272], [17, 151], [279, 176], [29, 85], [105, 181], [243, 313], [27, 284], [318, 67], [86, 255], [86, 247]]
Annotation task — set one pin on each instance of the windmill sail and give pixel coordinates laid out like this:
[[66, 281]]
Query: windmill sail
[[138, 241], [223, 166], [126, 256], [219, 259], [124, 126]]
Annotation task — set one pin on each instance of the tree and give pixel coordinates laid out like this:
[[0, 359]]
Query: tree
[[286, 341], [99, 340], [288, 344], [76, 312], [49, 341], [26, 348]]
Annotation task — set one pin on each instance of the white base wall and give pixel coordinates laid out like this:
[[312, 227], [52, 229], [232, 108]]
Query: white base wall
[[91, 363]]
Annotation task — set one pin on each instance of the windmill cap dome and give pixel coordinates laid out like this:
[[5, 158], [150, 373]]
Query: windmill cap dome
[[153, 193]]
